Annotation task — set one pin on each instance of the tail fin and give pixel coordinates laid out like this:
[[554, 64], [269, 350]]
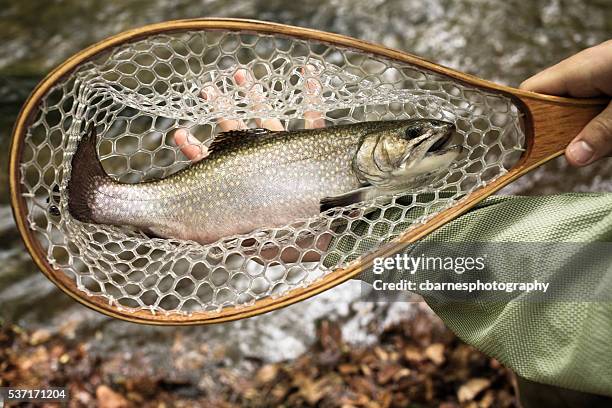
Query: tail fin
[[87, 173]]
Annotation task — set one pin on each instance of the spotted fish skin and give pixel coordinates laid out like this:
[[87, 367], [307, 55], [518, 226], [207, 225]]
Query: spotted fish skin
[[251, 179]]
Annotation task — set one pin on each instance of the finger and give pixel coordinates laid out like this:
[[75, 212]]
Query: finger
[[312, 93], [593, 142], [191, 147], [255, 93], [585, 74], [221, 102]]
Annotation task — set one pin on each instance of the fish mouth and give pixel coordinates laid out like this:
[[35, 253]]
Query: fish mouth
[[443, 140], [435, 154]]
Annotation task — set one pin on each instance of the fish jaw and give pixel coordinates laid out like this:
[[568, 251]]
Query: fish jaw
[[420, 146], [403, 156], [430, 164], [433, 154]]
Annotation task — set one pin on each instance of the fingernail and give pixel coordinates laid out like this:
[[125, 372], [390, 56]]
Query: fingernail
[[581, 152], [179, 134]]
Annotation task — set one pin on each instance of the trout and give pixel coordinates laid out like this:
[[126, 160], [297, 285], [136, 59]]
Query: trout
[[260, 178]]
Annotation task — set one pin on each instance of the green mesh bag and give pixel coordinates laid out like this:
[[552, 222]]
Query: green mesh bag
[[565, 342]]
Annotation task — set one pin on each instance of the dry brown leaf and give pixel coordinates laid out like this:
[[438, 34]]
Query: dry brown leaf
[[362, 385], [385, 399], [40, 336], [348, 368], [266, 373], [366, 370], [107, 398], [358, 400], [487, 400], [329, 374], [429, 389], [381, 354], [387, 373], [279, 392], [311, 391], [329, 334], [435, 353], [404, 372], [469, 390], [413, 354]]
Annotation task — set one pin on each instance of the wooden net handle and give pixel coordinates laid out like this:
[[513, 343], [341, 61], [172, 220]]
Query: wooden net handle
[[552, 125]]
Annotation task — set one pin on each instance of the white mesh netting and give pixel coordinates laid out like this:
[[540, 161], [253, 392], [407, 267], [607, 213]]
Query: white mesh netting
[[138, 93]]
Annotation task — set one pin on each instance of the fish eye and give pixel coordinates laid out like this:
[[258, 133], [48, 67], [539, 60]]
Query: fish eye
[[413, 131]]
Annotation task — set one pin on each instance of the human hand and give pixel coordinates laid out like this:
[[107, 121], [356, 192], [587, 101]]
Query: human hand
[[195, 150], [586, 74]]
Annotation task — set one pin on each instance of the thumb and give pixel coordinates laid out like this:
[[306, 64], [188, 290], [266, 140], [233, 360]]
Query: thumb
[[593, 142]]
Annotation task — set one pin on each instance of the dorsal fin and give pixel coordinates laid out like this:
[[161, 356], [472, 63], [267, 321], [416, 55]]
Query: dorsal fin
[[234, 137]]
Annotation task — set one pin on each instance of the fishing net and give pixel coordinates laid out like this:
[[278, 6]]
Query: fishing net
[[137, 94]]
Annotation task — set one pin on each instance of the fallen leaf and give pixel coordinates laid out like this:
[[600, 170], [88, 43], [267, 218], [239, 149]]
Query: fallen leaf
[[386, 374], [348, 368], [404, 372], [107, 398], [40, 336], [68, 328], [413, 354], [329, 335], [416, 362], [469, 390], [487, 400], [313, 392], [381, 354], [266, 373], [366, 370], [435, 353]]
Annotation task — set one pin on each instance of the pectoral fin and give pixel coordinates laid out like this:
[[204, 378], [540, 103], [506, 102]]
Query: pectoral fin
[[361, 194], [352, 197], [158, 232]]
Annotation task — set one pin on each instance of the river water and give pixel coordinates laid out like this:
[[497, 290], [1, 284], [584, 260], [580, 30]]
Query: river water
[[503, 41]]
